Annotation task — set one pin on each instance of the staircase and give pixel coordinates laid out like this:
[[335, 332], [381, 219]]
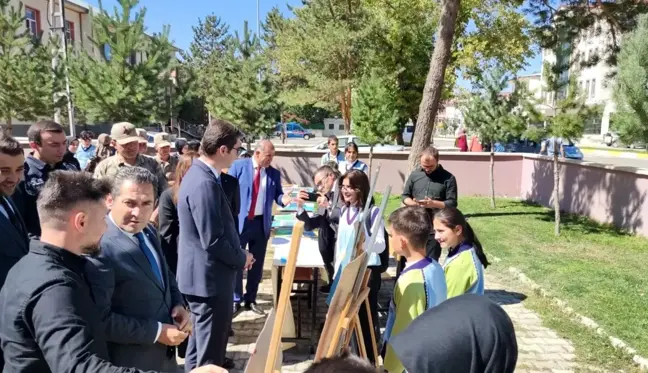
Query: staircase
[[188, 130]]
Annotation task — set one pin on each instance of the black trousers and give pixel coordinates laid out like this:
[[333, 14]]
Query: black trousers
[[375, 281]]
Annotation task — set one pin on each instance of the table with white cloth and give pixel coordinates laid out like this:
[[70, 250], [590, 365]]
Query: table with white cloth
[[309, 262]]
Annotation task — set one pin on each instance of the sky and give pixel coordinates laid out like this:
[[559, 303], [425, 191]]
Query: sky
[[182, 14]]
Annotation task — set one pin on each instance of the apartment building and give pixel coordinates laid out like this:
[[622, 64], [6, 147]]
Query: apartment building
[[78, 29], [586, 56]]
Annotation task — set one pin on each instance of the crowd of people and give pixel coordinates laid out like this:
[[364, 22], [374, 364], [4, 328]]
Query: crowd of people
[[117, 261]]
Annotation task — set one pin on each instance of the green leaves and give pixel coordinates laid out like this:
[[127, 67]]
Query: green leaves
[[631, 89], [132, 82], [27, 80], [375, 113], [241, 88]]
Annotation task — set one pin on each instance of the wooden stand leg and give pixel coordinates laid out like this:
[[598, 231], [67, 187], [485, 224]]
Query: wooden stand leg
[[372, 330]]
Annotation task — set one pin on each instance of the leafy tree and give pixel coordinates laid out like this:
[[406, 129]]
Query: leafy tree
[[242, 88], [496, 117], [375, 113], [567, 114], [27, 80], [631, 89], [319, 52], [132, 79]]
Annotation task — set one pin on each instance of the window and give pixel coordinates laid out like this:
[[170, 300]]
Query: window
[[341, 127], [32, 21], [331, 126], [69, 32], [107, 52], [587, 87], [593, 89]]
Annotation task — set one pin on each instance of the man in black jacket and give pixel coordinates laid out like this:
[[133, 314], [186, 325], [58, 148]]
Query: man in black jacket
[[325, 180], [49, 321]]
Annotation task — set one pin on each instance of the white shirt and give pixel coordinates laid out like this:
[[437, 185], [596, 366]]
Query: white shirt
[[2, 209], [260, 202], [157, 262]]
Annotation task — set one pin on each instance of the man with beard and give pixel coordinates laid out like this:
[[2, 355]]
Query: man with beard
[[12, 228], [432, 187], [49, 321], [141, 334]]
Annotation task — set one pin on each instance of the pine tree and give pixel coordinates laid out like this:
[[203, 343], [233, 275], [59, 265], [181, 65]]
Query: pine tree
[[375, 112], [242, 87], [132, 79], [495, 117], [27, 81]]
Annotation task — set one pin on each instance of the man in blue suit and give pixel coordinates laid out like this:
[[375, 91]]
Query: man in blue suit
[[209, 251], [141, 307], [260, 186]]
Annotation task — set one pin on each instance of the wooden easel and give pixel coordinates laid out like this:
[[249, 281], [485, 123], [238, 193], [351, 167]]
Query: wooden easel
[[283, 301]]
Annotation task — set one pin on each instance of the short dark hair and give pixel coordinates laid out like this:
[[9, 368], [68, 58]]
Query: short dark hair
[[65, 190], [332, 137], [329, 170], [430, 151], [219, 133], [9, 145], [86, 135], [137, 175], [36, 130], [194, 145], [413, 222], [344, 363]]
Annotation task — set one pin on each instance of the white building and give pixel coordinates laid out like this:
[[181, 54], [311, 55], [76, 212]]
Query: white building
[[593, 81]]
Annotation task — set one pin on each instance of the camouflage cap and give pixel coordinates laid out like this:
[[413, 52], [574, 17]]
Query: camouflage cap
[[123, 133], [161, 140]]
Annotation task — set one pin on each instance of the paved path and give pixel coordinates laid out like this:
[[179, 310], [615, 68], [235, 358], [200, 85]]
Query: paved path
[[540, 348]]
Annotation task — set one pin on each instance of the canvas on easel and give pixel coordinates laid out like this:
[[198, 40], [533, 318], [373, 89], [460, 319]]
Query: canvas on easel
[[260, 355]]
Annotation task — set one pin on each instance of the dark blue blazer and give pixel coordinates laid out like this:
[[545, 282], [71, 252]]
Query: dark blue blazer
[[243, 170], [209, 251]]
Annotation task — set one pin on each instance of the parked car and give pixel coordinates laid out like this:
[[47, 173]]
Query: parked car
[[344, 140], [526, 146], [612, 139], [295, 130]]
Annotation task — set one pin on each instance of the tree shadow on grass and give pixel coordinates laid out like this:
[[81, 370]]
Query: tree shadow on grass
[[503, 213]]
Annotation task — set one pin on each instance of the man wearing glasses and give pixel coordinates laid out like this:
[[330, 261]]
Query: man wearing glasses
[[325, 182]]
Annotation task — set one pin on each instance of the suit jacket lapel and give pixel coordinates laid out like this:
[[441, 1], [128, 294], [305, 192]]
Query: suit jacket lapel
[[129, 246]]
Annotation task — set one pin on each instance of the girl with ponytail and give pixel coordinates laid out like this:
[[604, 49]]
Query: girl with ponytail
[[466, 261]]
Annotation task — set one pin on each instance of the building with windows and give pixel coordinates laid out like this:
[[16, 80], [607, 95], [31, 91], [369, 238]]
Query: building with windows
[[593, 76], [78, 30]]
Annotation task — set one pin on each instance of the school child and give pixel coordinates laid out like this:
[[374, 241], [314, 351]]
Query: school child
[[422, 283], [466, 261]]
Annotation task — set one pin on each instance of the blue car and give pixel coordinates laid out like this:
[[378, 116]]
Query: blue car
[[570, 150], [295, 130]]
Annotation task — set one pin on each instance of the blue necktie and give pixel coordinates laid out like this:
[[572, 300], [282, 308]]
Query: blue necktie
[[149, 255]]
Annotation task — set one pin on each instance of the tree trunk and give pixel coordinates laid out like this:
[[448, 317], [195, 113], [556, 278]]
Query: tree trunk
[[9, 127], [371, 147], [556, 191], [345, 108], [492, 175], [434, 82]]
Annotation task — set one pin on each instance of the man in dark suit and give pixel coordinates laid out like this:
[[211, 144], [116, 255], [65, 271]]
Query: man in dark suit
[[232, 192], [141, 306], [209, 251], [15, 243], [260, 186], [325, 219]]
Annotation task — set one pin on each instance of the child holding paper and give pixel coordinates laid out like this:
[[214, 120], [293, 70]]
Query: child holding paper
[[422, 283]]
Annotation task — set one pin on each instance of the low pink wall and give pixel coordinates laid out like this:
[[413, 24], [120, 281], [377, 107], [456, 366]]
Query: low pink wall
[[471, 170], [605, 193]]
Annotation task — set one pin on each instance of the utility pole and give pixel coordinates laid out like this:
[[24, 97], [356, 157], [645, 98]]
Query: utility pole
[[57, 27]]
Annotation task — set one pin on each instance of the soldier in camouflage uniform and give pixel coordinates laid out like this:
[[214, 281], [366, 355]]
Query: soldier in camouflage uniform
[[163, 156], [143, 141]]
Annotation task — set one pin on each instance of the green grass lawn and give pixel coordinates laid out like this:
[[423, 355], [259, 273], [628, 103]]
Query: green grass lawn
[[601, 272]]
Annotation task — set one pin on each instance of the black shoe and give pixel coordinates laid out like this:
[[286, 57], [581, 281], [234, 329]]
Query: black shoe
[[228, 363], [325, 289], [254, 308], [237, 310]]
